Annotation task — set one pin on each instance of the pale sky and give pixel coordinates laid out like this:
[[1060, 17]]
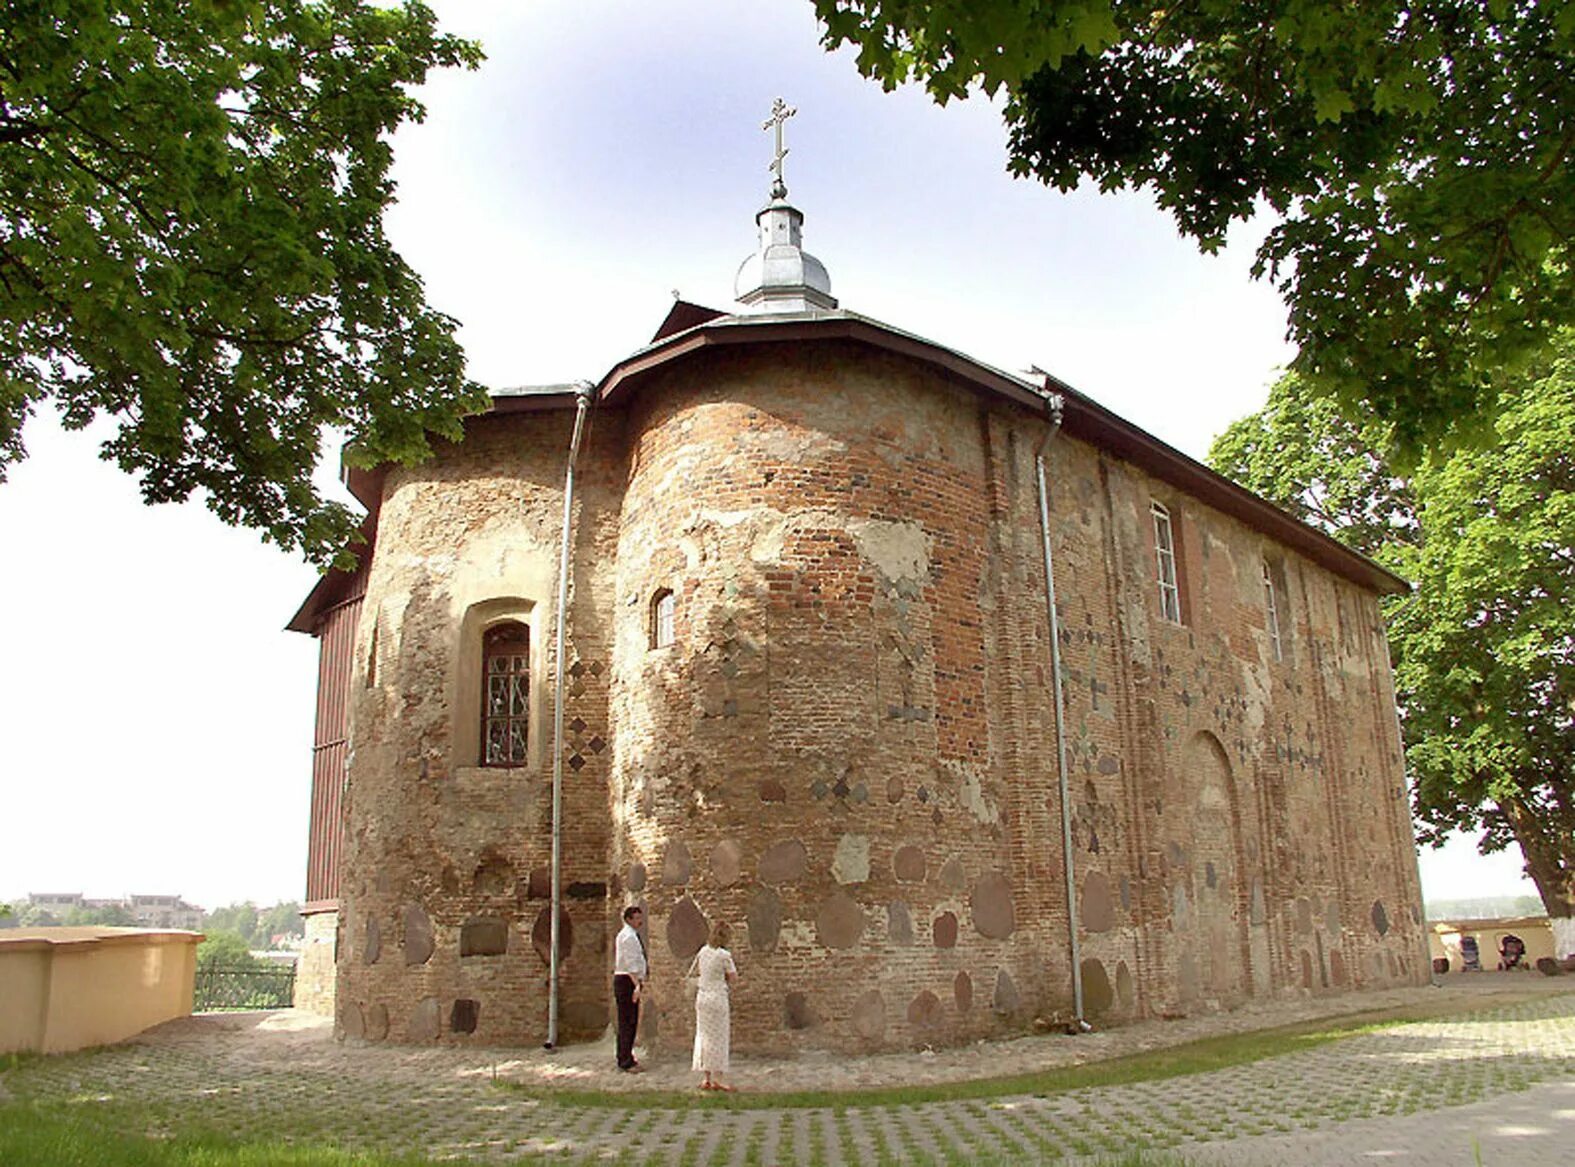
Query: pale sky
[[159, 720]]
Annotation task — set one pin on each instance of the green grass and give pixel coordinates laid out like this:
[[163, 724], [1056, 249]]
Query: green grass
[[32, 1136]]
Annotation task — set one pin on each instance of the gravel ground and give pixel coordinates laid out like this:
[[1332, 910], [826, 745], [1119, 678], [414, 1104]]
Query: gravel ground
[[1492, 1082]]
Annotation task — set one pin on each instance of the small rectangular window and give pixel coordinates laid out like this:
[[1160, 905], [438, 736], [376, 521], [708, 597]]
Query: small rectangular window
[[1272, 612], [505, 713], [1165, 565], [663, 607]]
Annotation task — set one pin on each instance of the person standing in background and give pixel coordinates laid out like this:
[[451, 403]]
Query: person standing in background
[[629, 974]]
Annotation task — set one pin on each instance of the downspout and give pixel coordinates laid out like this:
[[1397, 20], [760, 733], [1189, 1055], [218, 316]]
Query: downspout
[[1054, 404], [582, 402]]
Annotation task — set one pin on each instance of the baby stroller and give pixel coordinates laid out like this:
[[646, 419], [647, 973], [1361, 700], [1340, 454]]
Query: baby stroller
[[1511, 951], [1470, 955]]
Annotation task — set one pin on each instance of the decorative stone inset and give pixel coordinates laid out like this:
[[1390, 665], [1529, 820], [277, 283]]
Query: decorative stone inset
[[908, 864], [419, 941], [924, 1011], [994, 917], [1098, 995], [1180, 909], [687, 929], [377, 1022], [372, 945], [1007, 1001], [483, 937], [851, 864], [463, 1017], [1099, 914], [765, 920], [352, 1022], [783, 862], [425, 1020], [541, 935], [636, 878], [962, 992], [944, 929], [840, 922], [1124, 986], [1380, 918], [869, 1016], [894, 790], [899, 924], [677, 866], [953, 878], [727, 860], [796, 1012], [772, 791]]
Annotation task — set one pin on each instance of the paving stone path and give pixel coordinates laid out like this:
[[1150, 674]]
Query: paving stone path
[[1494, 1085]]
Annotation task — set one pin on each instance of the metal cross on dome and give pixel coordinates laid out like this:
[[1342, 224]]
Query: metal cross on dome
[[780, 112]]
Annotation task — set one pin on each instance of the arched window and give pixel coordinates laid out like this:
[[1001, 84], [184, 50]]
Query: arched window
[[663, 606], [505, 694]]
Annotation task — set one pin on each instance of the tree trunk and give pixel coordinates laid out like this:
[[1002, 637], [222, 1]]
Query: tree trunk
[[1550, 860]]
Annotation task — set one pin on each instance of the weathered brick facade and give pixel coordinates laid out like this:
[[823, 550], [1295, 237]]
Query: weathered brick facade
[[848, 751]]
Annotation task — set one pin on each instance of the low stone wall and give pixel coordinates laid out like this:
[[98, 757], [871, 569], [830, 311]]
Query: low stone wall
[[68, 988], [314, 974], [1443, 939]]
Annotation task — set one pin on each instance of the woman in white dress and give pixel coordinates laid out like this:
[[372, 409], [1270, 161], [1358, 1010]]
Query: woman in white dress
[[713, 1008]]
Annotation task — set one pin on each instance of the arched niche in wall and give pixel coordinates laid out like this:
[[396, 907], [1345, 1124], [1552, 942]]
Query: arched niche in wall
[[1212, 876], [467, 681]]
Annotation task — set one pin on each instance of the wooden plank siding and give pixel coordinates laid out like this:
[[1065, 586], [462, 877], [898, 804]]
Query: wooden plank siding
[[335, 630]]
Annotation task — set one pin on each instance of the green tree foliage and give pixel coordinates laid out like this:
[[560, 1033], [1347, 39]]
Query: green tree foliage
[[1484, 648], [112, 915], [1418, 153], [227, 950], [191, 244], [240, 919]]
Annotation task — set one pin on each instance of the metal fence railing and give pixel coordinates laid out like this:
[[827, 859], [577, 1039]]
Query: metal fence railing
[[222, 987]]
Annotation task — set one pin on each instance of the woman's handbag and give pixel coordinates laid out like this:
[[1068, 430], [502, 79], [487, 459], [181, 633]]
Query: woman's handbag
[[692, 980]]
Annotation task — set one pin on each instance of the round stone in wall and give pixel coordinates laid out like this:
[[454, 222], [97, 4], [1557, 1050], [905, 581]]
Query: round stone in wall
[[990, 904], [1099, 914], [783, 862], [372, 946], [765, 920], [1380, 918], [1124, 986], [377, 1022], [538, 884], [962, 992], [484, 936], [727, 860], [687, 929], [425, 1020], [894, 790], [953, 878], [676, 865], [1006, 1001], [772, 790], [944, 929], [869, 1016], [851, 863], [924, 1011], [418, 935], [1098, 995], [352, 1022], [636, 877], [908, 864], [541, 935], [899, 923], [840, 922]]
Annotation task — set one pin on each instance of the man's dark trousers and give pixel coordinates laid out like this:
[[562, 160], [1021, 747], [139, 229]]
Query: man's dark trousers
[[628, 1018]]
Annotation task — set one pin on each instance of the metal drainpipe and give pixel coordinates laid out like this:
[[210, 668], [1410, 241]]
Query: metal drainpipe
[[582, 394], [1054, 404]]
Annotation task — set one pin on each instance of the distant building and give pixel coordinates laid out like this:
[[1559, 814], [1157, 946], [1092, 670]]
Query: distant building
[[158, 911]]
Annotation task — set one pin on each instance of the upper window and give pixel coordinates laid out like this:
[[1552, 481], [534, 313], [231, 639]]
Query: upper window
[[663, 606], [1272, 612], [505, 695], [1165, 564]]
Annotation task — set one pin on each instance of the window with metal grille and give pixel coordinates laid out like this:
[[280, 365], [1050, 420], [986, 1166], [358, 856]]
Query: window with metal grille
[[663, 606], [505, 695], [1165, 564], [1272, 612]]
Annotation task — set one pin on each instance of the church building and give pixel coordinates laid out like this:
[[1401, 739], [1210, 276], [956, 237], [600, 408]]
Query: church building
[[968, 704]]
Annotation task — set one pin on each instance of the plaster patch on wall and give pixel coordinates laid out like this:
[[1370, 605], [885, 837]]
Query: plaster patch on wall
[[972, 798], [900, 551]]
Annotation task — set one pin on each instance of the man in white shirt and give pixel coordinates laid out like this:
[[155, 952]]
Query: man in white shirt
[[629, 973]]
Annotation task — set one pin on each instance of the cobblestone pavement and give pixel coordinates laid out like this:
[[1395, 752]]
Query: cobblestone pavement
[[1493, 1082]]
